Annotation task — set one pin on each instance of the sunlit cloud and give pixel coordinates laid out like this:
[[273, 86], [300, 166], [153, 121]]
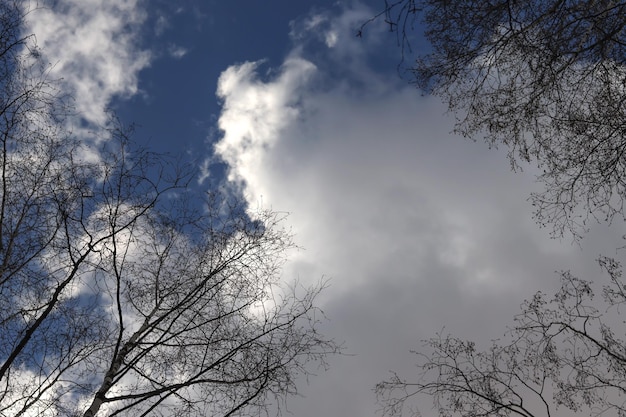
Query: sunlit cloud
[[369, 172], [254, 114], [417, 229], [93, 47]]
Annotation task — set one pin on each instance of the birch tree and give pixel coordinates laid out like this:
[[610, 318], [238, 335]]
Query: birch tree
[[123, 293]]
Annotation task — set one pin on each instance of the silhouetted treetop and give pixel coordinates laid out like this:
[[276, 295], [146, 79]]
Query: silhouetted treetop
[[546, 79]]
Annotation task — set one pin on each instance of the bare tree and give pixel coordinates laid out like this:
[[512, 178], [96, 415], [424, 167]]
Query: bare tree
[[546, 79], [120, 294], [567, 351]]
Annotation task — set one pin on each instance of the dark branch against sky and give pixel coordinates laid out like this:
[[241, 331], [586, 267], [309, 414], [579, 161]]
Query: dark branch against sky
[[416, 229]]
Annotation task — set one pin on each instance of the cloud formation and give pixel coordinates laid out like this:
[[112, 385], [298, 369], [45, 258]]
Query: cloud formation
[[254, 115], [417, 229], [93, 47]]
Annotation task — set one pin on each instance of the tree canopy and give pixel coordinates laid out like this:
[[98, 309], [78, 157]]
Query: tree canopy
[[545, 79], [564, 351], [122, 292]]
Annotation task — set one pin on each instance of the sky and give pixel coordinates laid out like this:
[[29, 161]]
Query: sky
[[417, 230]]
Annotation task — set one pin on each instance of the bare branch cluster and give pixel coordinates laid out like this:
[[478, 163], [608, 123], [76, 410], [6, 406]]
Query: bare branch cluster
[[564, 351], [119, 296], [547, 79]]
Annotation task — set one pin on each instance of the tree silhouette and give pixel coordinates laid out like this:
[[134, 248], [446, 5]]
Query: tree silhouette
[[545, 79], [122, 294], [564, 351]]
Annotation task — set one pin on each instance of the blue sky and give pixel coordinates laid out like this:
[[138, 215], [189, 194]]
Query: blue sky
[[417, 229]]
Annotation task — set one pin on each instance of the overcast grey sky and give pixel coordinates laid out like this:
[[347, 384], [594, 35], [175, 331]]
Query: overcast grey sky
[[417, 230]]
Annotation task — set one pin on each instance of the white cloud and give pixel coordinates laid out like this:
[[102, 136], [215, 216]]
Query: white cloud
[[254, 114], [176, 51], [337, 29], [331, 38], [93, 46], [372, 176], [418, 229], [161, 24]]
